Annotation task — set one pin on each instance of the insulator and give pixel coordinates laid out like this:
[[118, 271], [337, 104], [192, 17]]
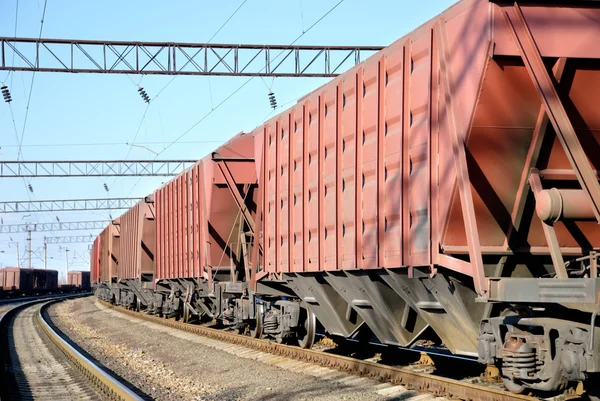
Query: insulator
[[272, 100], [144, 95], [30, 187], [105, 187], [6, 94], [57, 219]]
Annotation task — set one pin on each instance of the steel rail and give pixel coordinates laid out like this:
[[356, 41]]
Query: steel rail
[[97, 377], [439, 386]]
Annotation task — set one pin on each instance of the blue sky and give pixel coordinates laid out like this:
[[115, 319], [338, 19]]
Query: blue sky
[[72, 111]]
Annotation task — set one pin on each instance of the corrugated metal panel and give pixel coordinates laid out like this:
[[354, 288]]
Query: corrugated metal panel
[[197, 218], [13, 278], [138, 237], [80, 279], [109, 252], [335, 169], [95, 260], [315, 152]]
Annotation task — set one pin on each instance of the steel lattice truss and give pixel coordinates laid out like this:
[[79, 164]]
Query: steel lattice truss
[[168, 58], [94, 168], [68, 205], [58, 226], [74, 239]]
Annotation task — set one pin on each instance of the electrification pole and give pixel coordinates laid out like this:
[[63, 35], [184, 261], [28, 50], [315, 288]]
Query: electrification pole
[[67, 276], [29, 247], [18, 261], [45, 255]]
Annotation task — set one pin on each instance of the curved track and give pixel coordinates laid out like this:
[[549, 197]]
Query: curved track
[[414, 380], [38, 364]]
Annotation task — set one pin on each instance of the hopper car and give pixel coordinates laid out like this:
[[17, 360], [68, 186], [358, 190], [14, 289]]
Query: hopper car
[[446, 186]]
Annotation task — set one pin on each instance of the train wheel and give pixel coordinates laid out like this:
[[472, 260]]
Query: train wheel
[[138, 304], [308, 329], [256, 329], [186, 313], [512, 386]]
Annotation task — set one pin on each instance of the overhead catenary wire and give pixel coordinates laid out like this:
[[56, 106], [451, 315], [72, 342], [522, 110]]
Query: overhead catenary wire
[[60, 145], [148, 100], [20, 140], [209, 40], [239, 88], [13, 56]]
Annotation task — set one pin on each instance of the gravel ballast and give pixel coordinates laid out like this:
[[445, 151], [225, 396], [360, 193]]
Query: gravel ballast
[[168, 364]]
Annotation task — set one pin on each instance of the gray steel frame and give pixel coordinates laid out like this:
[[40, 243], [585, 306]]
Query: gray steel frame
[[94, 168], [59, 226], [67, 205], [73, 239], [169, 58]]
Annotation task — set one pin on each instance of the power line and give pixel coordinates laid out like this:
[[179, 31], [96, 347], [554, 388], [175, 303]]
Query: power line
[[45, 145], [238, 89], [209, 40], [13, 56], [31, 86], [20, 141]]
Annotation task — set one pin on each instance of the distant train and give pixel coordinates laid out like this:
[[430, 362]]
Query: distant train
[[447, 187], [16, 282]]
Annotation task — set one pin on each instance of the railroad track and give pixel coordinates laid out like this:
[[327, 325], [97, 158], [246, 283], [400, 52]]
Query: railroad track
[[413, 380], [37, 363]]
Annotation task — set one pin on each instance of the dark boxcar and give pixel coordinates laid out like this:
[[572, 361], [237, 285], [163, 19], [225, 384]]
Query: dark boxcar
[[79, 279], [16, 279], [45, 280]]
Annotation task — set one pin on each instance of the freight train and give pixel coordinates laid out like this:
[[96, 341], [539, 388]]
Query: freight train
[[447, 185], [17, 282]]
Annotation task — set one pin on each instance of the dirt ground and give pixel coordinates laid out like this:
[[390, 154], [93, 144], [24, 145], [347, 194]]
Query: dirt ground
[[168, 364]]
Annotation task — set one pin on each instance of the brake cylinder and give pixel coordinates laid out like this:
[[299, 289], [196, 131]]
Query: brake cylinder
[[554, 204]]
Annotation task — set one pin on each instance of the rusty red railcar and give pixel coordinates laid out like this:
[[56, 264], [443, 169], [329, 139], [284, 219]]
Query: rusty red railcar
[[28, 281], [200, 223], [135, 273], [95, 261], [108, 251], [404, 189], [16, 279], [79, 279], [447, 185]]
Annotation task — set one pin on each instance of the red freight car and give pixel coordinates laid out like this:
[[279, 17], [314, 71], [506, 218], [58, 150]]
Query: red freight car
[[108, 261], [95, 261], [201, 229], [449, 182], [79, 279], [16, 279], [28, 281], [407, 182], [135, 271]]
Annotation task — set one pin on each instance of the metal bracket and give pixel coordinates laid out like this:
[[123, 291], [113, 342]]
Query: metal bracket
[[557, 114], [462, 171], [549, 233]]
